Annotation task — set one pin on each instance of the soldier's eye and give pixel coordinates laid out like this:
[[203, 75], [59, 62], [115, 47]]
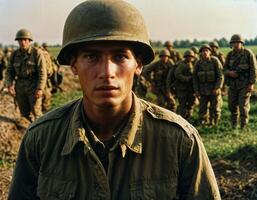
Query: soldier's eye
[[90, 57], [120, 57]]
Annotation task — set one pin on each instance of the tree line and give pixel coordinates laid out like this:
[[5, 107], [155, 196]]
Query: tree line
[[223, 42]]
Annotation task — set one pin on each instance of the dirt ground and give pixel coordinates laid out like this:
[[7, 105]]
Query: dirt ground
[[236, 175]]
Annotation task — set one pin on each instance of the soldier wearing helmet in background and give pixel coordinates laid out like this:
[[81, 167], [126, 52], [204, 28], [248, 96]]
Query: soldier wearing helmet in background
[[56, 77], [184, 85], [208, 80], [156, 73], [26, 77], [240, 76], [5, 61], [215, 52], [110, 144], [174, 55], [196, 52]]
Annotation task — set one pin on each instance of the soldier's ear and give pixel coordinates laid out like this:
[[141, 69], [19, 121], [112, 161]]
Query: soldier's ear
[[73, 65], [139, 67]]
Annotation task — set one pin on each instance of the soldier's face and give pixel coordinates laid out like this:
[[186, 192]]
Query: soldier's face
[[106, 73], [206, 53], [24, 43], [189, 58], [237, 45], [164, 59]]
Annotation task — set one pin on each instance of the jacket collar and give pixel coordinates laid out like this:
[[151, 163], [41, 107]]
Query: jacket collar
[[131, 135], [29, 51]]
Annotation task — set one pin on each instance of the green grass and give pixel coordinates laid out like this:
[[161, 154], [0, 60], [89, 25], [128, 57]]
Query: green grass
[[59, 99]]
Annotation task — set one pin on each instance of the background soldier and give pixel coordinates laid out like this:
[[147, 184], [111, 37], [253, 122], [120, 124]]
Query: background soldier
[[157, 73], [208, 79], [184, 85], [27, 71], [196, 53], [240, 76], [215, 52], [174, 55]]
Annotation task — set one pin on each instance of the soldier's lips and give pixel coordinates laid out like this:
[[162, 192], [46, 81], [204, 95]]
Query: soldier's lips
[[107, 89]]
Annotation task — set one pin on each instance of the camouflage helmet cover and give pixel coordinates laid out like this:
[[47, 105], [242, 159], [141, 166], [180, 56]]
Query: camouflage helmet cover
[[236, 38], [189, 53], [164, 52], [105, 20], [205, 46], [23, 34], [214, 44]]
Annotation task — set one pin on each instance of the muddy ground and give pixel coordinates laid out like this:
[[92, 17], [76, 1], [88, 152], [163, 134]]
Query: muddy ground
[[236, 175]]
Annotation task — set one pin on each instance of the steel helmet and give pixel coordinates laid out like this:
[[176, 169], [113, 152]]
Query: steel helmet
[[164, 52], [168, 44], [236, 38], [105, 20], [214, 44], [194, 49], [44, 44], [205, 46], [189, 53], [23, 34]]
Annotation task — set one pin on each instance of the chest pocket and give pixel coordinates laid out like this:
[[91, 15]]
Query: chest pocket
[[210, 76], [201, 76], [31, 67], [50, 188], [153, 190], [17, 66]]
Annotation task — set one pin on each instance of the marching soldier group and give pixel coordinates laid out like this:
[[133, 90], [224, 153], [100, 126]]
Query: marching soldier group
[[204, 77]]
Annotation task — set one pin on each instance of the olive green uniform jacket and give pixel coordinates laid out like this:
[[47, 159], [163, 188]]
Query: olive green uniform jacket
[[244, 63], [158, 156], [207, 75]]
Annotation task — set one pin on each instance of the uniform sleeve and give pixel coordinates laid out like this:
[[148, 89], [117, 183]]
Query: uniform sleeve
[[220, 77], [197, 179], [195, 78], [179, 74], [226, 65], [147, 71], [253, 69], [10, 72], [24, 181], [42, 71]]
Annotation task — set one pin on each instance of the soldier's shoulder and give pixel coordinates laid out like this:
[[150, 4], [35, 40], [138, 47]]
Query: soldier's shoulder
[[174, 119], [248, 51], [55, 114]]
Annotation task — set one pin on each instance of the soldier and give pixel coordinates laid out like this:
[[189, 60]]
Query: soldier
[[174, 55], [196, 53], [240, 76], [184, 85], [157, 73], [208, 79], [51, 68], [110, 144], [26, 77], [215, 52]]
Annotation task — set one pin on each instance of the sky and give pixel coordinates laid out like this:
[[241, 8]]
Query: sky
[[165, 19]]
